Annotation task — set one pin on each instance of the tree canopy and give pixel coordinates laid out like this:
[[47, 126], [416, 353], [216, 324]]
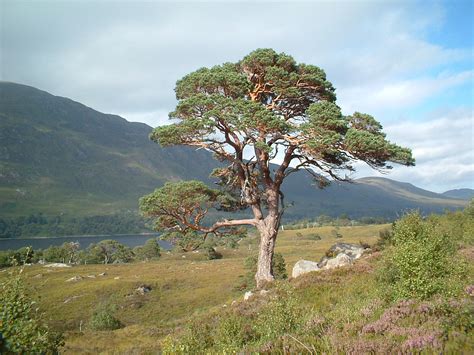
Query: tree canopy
[[266, 107]]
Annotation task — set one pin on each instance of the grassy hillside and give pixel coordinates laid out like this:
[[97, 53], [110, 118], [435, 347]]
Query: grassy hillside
[[59, 156], [464, 194], [195, 302], [182, 288]]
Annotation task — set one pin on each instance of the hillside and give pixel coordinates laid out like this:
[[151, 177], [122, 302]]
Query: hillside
[[463, 194], [58, 156]]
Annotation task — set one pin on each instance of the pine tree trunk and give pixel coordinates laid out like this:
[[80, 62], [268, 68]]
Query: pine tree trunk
[[268, 232]]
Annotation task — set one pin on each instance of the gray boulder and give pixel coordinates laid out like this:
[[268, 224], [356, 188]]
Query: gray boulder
[[340, 254], [341, 259], [303, 267]]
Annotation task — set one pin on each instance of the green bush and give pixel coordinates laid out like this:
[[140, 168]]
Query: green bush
[[21, 328], [212, 254], [232, 334], [385, 239], [250, 264], [314, 236], [281, 316], [149, 251], [421, 262], [103, 318]]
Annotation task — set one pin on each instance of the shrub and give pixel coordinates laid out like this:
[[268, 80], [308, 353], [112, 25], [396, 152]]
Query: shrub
[[149, 251], [282, 315], [385, 239], [21, 328], [109, 251], [314, 236], [213, 254], [103, 318], [421, 261], [250, 264], [232, 333]]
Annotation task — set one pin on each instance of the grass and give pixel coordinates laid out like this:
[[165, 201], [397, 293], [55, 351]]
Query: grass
[[187, 288], [182, 288]]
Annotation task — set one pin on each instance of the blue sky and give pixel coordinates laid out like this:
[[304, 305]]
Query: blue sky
[[408, 63]]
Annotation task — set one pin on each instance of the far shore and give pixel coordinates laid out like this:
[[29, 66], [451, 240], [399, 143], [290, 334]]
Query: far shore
[[81, 236]]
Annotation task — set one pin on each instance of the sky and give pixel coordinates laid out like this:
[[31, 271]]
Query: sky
[[410, 64]]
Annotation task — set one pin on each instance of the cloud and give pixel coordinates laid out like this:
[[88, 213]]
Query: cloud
[[398, 94], [443, 148], [125, 57]]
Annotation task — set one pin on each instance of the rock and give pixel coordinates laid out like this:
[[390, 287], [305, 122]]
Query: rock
[[141, 290], [355, 251], [247, 295], [117, 278], [91, 276], [74, 279], [303, 267], [342, 254], [102, 274], [341, 259], [57, 265]]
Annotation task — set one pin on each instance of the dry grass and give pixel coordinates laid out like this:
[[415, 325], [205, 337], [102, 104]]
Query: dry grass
[[181, 288]]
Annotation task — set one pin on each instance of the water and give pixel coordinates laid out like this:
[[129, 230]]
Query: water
[[131, 240]]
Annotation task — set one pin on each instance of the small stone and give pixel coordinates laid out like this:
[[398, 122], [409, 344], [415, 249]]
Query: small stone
[[38, 276], [247, 295], [74, 279], [117, 278], [102, 274], [143, 289], [91, 276], [67, 300], [264, 292]]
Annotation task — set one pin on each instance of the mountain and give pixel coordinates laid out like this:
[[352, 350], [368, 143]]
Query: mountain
[[463, 194], [58, 156]]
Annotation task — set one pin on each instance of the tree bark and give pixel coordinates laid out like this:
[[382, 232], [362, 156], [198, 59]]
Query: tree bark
[[268, 229]]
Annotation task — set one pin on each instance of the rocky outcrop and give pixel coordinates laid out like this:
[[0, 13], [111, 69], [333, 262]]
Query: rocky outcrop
[[303, 267], [340, 254]]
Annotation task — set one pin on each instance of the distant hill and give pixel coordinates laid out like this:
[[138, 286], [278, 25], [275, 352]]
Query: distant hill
[[463, 194], [58, 156]]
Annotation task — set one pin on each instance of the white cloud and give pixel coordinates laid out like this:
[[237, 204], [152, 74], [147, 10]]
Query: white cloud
[[443, 148], [125, 57], [399, 94]]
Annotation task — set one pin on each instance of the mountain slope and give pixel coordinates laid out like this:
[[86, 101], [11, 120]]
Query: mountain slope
[[59, 156], [463, 194]]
